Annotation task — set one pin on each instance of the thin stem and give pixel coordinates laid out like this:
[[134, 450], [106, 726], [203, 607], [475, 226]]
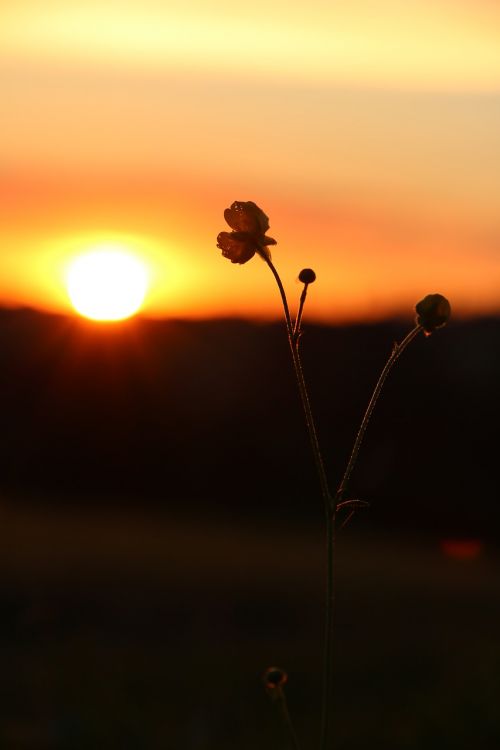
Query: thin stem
[[327, 702], [311, 428], [287, 722], [398, 349], [329, 506], [304, 396], [329, 503], [298, 321], [284, 300]]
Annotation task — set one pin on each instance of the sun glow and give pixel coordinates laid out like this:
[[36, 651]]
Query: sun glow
[[107, 283]]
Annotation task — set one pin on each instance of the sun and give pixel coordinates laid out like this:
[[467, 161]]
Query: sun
[[107, 283]]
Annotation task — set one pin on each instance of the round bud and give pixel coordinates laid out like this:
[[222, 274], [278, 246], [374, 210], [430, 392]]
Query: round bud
[[274, 677], [307, 276], [433, 312]]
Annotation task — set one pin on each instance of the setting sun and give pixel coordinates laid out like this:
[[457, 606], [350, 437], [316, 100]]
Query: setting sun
[[107, 283]]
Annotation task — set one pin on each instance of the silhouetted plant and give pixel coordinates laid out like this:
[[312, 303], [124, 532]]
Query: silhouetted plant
[[275, 679], [248, 237]]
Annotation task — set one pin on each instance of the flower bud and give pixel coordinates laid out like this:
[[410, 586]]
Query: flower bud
[[307, 276], [433, 312], [274, 678]]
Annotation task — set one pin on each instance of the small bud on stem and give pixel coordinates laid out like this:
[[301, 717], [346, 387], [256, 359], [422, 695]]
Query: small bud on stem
[[433, 311], [274, 679], [307, 276]]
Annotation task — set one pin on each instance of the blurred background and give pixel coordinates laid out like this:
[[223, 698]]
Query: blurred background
[[162, 533], [161, 526]]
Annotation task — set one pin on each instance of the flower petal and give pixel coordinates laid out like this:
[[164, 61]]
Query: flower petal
[[246, 216], [239, 247]]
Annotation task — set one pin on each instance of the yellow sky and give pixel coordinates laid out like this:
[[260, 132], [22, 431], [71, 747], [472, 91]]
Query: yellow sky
[[368, 131], [372, 42]]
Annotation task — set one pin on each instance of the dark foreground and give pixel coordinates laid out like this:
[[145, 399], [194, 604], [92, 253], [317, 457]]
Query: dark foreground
[[137, 630]]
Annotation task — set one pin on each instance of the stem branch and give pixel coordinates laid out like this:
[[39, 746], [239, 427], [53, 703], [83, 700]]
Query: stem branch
[[398, 349], [329, 505], [304, 396]]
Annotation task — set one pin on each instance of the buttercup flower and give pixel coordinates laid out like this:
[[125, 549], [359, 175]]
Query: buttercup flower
[[249, 224], [433, 312]]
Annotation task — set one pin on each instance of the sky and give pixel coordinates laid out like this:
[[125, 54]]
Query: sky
[[367, 131]]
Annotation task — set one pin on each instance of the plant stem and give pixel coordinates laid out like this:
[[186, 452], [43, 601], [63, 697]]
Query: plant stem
[[288, 318], [287, 722], [398, 349], [304, 396], [329, 506], [298, 321], [326, 709], [330, 503]]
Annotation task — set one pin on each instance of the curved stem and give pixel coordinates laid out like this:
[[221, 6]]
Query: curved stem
[[329, 506], [284, 300], [304, 396], [329, 502], [396, 352], [287, 723]]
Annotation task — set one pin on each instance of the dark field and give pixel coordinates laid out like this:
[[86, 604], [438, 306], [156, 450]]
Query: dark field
[[161, 536], [174, 412], [142, 631]]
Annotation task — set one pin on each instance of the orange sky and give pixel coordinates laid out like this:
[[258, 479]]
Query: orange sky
[[367, 131]]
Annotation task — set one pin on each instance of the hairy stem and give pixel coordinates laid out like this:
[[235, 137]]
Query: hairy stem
[[304, 396], [293, 741], [298, 321], [329, 506], [398, 349]]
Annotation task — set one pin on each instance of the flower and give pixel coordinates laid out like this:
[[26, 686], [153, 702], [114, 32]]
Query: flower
[[237, 246], [249, 224], [433, 312]]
